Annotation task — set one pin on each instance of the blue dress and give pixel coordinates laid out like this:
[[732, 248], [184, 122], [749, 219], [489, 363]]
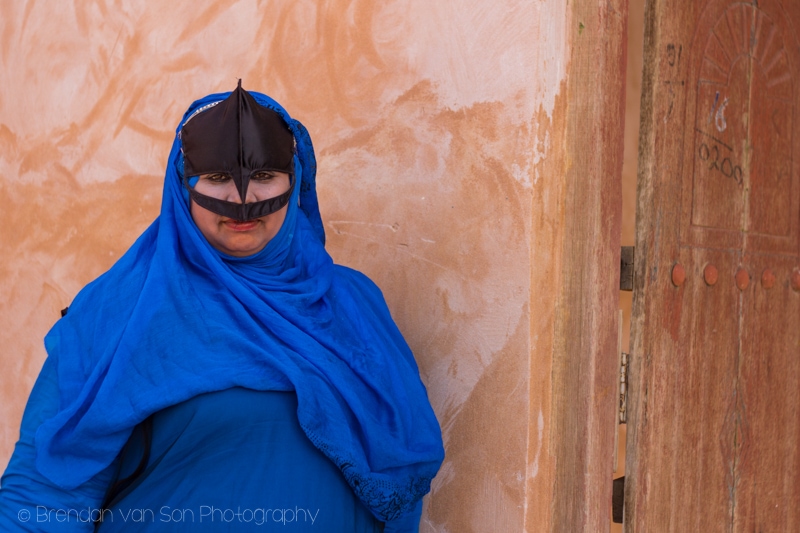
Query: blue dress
[[233, 460], [250, 443]]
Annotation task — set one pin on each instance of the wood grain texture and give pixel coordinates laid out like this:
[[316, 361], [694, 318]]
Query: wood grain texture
[[585, 358], [713, 425]]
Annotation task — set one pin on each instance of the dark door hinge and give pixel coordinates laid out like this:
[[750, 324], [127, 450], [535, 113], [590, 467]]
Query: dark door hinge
[[626, 268], [618, 500]]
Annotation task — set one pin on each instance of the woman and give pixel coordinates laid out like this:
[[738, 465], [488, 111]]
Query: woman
[[224, 374]]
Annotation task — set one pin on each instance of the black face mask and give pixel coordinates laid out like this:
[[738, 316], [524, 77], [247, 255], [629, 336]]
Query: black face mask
[[239, 138]]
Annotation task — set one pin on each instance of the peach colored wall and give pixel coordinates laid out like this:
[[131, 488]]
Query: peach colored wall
[[433, 122]]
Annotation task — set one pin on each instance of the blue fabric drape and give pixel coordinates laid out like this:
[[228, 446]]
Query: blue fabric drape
[[174, 318]]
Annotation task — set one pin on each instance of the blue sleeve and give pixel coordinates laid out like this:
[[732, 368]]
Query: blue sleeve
[[408, 523], [28, 500]]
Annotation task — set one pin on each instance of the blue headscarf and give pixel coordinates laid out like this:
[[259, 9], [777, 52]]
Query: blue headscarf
[[174, 318]]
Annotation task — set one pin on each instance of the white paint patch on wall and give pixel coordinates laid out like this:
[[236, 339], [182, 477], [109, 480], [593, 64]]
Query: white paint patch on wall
[[524, 169], [486, 51], [551, 51], [540, 149], [504, 513], [462, 52], [513, 52], [534, 470]]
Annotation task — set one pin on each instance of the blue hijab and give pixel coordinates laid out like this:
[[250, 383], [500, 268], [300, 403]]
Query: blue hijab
[[174, 318]]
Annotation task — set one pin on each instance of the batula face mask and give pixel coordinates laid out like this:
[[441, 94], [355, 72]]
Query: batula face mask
[[240, 140]]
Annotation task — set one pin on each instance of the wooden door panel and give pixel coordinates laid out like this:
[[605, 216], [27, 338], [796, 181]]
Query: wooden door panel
[[740, 133], [714, 408], [708, 378], [767, 457]]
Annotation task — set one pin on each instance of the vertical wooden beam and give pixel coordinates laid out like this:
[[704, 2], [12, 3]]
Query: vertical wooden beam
[[585, 369]]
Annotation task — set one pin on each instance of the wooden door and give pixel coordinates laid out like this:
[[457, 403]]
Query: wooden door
[[714, 408]]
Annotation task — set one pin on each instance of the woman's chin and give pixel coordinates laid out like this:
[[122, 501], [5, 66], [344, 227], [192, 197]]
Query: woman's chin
[[237, 248]]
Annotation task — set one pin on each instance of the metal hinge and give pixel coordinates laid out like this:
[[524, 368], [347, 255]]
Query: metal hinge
[[623, 388]]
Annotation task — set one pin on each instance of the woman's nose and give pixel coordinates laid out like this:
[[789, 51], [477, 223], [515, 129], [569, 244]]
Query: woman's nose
[[232, 193], [251, 195]]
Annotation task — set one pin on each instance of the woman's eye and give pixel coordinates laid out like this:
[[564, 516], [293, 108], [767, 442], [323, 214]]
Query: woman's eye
[[217, 178], [263, 176]]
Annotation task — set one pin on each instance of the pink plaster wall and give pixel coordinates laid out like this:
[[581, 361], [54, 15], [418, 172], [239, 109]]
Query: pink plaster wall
[[433, 122]]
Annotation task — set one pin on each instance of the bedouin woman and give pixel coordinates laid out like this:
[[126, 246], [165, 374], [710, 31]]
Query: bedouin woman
[[224, 374]]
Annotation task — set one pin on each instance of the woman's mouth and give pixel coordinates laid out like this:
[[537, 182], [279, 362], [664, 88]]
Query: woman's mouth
[[239, 225]]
